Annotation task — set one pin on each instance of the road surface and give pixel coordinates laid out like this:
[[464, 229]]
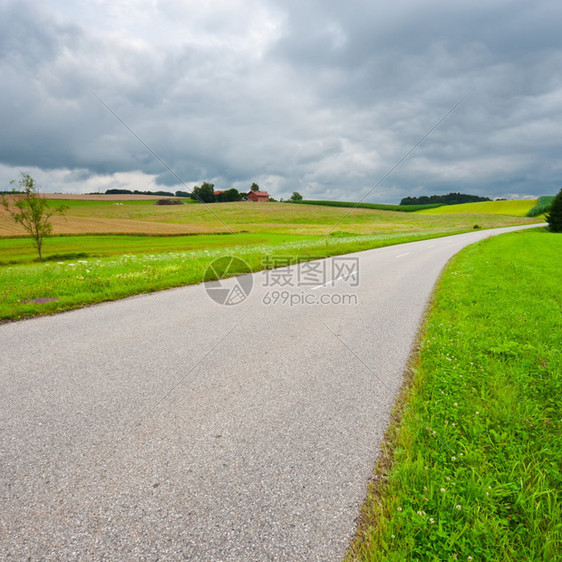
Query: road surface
[[167, 426]]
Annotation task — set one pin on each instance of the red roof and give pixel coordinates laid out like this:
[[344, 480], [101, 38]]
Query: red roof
[[261, 193]]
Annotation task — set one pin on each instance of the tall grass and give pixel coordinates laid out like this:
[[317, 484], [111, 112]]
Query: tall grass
[[475, 471]]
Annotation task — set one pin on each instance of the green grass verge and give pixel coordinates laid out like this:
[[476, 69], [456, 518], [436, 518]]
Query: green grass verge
[[376, 206], [472, 470], [514, 208], [30, 289], [543, 205]]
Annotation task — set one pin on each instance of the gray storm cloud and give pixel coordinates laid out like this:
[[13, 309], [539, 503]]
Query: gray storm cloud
[[319, 97]]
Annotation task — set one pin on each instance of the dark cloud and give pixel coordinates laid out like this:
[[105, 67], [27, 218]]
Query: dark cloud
[[319, 97]]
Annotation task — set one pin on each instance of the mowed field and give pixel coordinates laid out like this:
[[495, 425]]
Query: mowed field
[[81, 217]]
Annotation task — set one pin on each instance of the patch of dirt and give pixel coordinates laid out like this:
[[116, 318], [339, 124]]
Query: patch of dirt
[[169, 202]]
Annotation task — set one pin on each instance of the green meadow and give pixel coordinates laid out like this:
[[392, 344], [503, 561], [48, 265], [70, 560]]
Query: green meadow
[[471, 466]]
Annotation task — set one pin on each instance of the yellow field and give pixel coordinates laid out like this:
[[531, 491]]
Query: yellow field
[[516, 208]]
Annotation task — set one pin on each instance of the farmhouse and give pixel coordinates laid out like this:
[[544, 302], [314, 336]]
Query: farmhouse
[[258, 196]]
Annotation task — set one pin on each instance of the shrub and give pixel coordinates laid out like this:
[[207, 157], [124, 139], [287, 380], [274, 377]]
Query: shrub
[[229, 195], [542, 206], [554, 217], [204, 194]]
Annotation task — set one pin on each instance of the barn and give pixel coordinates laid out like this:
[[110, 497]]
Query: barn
[[258, 196]]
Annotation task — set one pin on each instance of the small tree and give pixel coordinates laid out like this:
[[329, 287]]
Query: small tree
[[554, 217], [26, 207], [296, 196], [205, 193], [254, 187]]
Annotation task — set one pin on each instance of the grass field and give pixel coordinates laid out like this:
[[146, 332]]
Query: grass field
[[471, 466], [515, 208], [281, 218], [143, 217]]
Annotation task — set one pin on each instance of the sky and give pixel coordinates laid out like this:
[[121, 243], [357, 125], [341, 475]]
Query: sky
[[357, 100]]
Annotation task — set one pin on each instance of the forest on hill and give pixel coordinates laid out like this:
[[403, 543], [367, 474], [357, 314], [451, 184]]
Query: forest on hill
[[449, 199]]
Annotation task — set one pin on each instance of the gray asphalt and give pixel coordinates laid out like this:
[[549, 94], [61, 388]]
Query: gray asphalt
[[167, 427]]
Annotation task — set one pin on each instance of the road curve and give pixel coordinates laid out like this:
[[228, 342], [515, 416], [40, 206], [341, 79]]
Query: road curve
[[166, 426]]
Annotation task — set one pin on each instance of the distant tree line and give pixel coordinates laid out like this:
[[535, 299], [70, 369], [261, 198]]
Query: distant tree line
[[137, 192], [449, 199]]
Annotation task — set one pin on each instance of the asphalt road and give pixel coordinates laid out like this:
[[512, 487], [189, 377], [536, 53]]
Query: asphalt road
[[167, 427]]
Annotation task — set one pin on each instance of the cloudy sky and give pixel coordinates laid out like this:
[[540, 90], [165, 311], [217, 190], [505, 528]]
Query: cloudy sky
[[318, 96]]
